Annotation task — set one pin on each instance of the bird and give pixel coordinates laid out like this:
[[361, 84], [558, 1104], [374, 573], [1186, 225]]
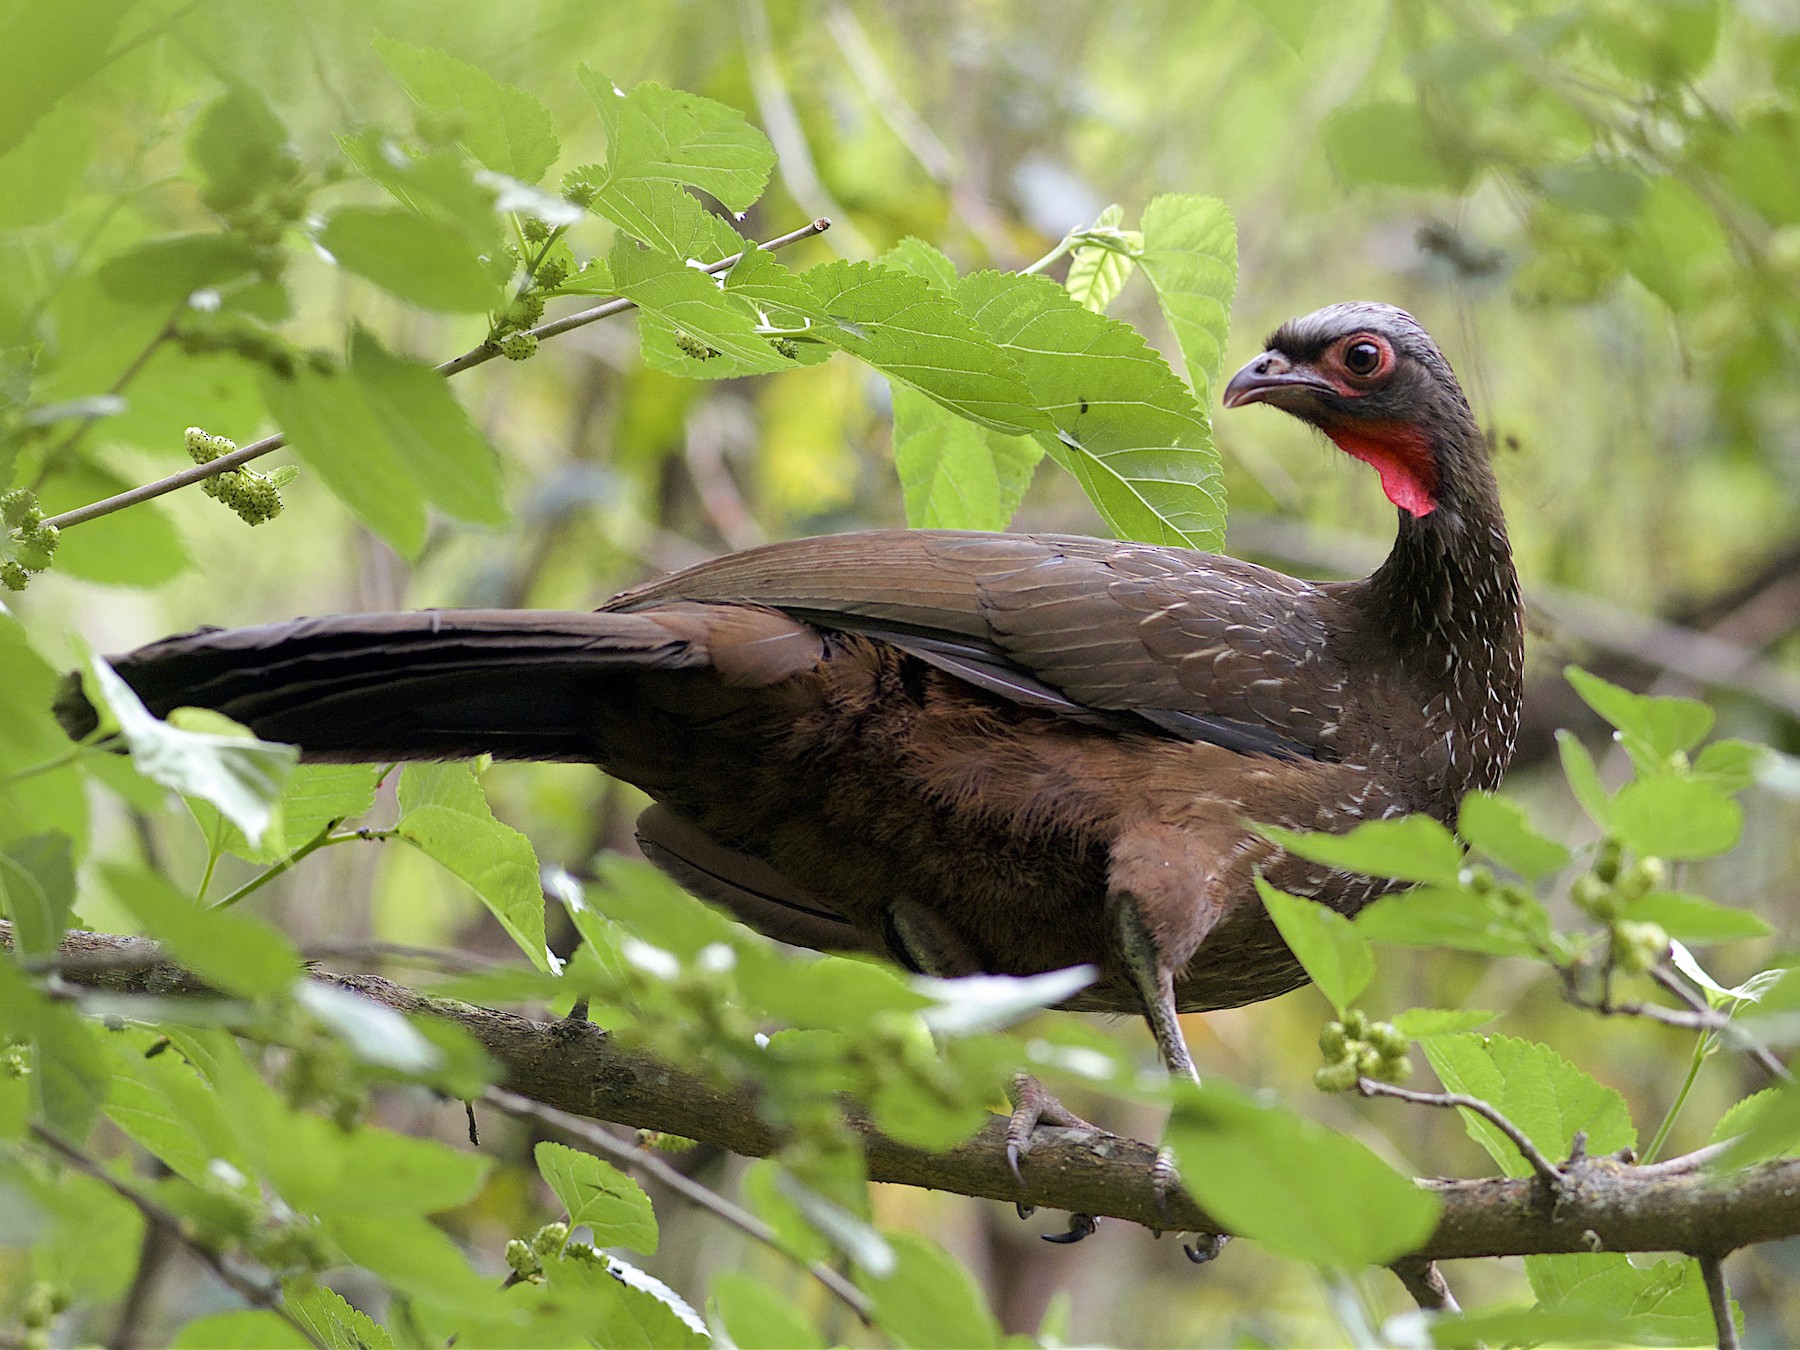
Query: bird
[[999, 753]]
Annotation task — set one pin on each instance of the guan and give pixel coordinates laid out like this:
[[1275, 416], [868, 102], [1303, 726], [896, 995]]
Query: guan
[[968, 752]]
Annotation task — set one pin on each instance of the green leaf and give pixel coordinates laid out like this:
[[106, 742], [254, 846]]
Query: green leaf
[[44, 53], [331, 427], [1335, 955], [1413, 848], [1731, 765], [69, 1078], [1190, 258], [1445, 916], [913, 254], [1584, 778], [1693, 918], [45, 799], [929, 1300], [1538, 1090], [1676, 242], [655, 134], [1099, 271], [141, 547], [755, 1317], [315, 796], [374, 1032], [1763, 1125], [954, 474], [1422, 1023], [37, 887], [420, 259], [232, 951], [1661, 1304], [597, 1194], [166, 271], [1121, 421], [1671, 817], [169, 1110], [1654, 726], [240, 148], [335, 1322], [240, 1330], [91, 1251], [445, 816], [1385, 143], [1499, 829], [1280, 1179], [441, 184], [686, 299], [910, 331], [240, 775], [40, 174], [411, 1254], [504, 127], [448, 457]]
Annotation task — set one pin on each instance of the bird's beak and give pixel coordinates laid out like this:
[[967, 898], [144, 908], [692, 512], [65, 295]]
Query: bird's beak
[[1268, 378]]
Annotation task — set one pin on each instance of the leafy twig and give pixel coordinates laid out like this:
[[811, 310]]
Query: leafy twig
[[1548, 1171], [594, 1137], [257, 1295], [475, 356]]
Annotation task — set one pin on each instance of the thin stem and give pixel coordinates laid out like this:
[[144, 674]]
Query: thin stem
[[1702, 1049], [1546, 1170], [594, 1137], [1712, 1270], [476, 356], [62, 761], [323, 839], [253, 1293], [1050, 257]]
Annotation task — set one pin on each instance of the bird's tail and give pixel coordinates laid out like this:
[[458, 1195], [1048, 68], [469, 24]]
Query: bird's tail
[[437, 684]]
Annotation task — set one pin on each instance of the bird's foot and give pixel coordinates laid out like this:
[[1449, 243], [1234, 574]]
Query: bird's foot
[[1165, 1179], [1205, 1247], [1080, 1226], [1033, 1104]]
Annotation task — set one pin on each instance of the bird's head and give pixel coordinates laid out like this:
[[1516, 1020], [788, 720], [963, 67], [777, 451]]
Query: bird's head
[[1370, 378]]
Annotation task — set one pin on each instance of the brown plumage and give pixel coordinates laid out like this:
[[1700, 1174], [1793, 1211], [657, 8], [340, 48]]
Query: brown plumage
[[980, 752]]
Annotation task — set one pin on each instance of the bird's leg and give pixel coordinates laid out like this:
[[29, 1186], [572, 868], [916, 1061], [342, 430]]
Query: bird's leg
[[1033, 1104], [1155, 982]]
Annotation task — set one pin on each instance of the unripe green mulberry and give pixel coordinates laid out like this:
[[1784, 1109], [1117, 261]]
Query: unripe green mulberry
[[518, 346]]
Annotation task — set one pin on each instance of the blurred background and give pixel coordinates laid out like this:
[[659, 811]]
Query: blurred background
[[1594, 206]]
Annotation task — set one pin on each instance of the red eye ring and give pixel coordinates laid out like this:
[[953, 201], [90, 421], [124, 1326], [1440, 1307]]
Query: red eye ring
[[1365, 357]]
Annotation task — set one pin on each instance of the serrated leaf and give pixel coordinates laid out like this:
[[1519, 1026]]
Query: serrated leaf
[[755, 1317], [1584, 778], [419, 259], [671, 135], [1671, 817], [913, 254], [1337, 957], [412, 1255], [1655, 727], [1661, 1304], [163, 1104], [504, 127], [69, 1077], [954, 474], [232, 951], [912, 332], [1763, 1125], [334, 1322], [1097, 273], [241, 776], [597, 1194], [1120, 420], [1694, 918], [1287, 1182], [691, 302], [1422, 1023], [1412, 848], [1444, 916], [1190, 258], [238, 1330], [445, 816], [315, 795], [929, 1299], [438, 442], [441, 184], [1539, 1091], [1500, 829], [331, 427]]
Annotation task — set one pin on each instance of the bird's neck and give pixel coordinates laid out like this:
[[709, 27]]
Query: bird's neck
[[1446, 604]]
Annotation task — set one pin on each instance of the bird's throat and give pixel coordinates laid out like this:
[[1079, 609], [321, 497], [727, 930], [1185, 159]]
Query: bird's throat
[[1401, 453]]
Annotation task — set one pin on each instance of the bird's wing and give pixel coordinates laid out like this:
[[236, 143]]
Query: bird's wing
[[1202, 647]]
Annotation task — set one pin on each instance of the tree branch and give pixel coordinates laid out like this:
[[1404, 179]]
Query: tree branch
[[1601, 1203], [1547, 1171], [475, 356]]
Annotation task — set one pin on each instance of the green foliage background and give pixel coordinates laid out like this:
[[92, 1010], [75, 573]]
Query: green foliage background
[[1595, 207]]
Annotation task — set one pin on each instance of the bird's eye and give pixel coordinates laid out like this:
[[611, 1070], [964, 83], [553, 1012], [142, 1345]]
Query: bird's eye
[[1363, 357]]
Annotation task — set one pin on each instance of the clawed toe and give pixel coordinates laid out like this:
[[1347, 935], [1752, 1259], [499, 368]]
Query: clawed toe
[[1080, 1226], [1033, 1104], [1204, 1249]]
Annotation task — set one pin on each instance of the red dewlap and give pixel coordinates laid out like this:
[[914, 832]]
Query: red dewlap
[[1401, 454]]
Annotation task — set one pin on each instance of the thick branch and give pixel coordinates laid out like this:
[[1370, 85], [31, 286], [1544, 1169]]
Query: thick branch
[[1601, 1204]]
